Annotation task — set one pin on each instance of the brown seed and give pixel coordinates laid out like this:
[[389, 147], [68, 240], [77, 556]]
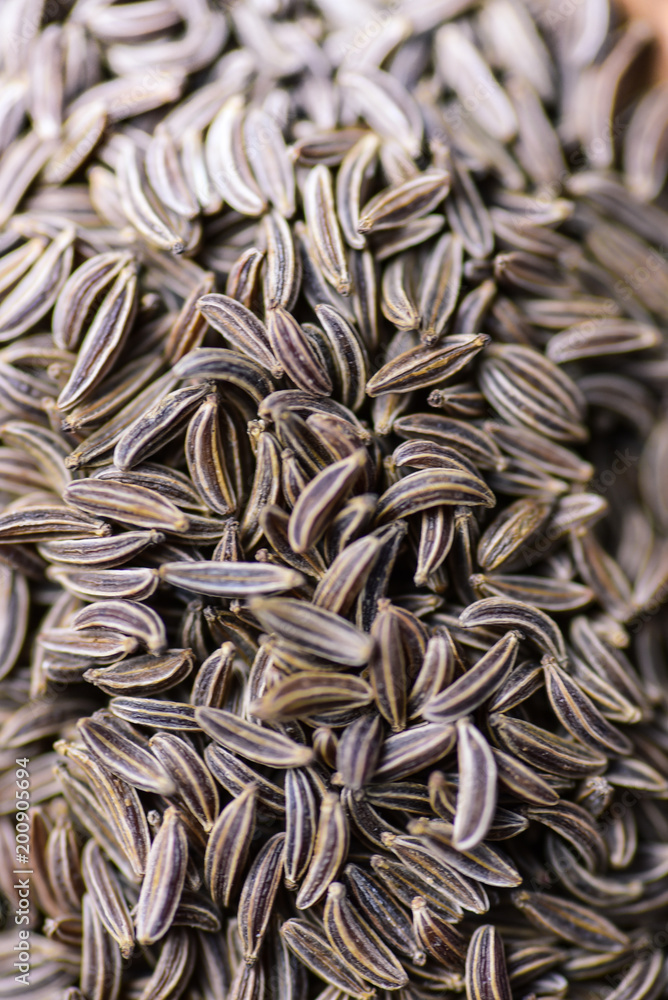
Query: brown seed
[[164, 879], [486, 972]]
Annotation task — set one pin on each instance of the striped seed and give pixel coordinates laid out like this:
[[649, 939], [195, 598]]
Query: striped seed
[[486, 970], [329, 852], [164, 879], [264, 746], [258, 895], [476, 797], [228, 845]]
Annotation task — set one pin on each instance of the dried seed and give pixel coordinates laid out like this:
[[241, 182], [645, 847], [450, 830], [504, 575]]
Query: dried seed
[[318, 501], [358, 751], [554, 754], [264, 746], [329, 852], [106, 894], [423, 366], [300, 825], [356, 168], [147, 675], [193, 781], [241, 328], [230, 579], [104, 339], [128, 617], [477, 684], [235, 775], [134, 505], [439, 938], [578, 714], [258, 895], [476, 798], [296, 353], [313, 629], [125, 757], [430, 488], [323, 226], [164, 880], [358, 945], [311, 693], [405, 202], [486, 971], [570, 921], [416, 747], [311, 946]]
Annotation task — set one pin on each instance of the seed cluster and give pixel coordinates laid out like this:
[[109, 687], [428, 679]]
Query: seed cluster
[[334, 526]]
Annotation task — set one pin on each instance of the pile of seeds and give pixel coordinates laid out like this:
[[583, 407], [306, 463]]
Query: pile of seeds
[[334, 531]]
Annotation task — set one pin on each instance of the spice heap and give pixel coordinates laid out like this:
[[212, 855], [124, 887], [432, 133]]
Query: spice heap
[[334, 531]]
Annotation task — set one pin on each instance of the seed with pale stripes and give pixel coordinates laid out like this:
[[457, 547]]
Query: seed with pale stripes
[[100, 954], [439, 938], [37, 291], [440, 286], [164, 880], [459, 890], [310, 693], [235, 579], [356, 167], [348, 352], [156, 712], [477, 684], [347, 574], [329, 851], [319, 500], [358, 751], [228, 845], [476, 797], [313, 629], [283, 265], [359, 945], [533, 622], [296, 353], [578, 714], [194, 784], [157, 426], [104, 339], [106, 892], [422, 366], [388, 667], [129, 504], [125, 757], [539, 748], [258, 895], [405, 884], [416, 747], [430, 488], [323, 225], [300, 825], [147, 675], [128, 617], [264, 746], [381, 913], [241, 328], [483, 862], [235, 775], [115, 584], [486, 971], [570, 921], [396, 206], [311, 946]]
